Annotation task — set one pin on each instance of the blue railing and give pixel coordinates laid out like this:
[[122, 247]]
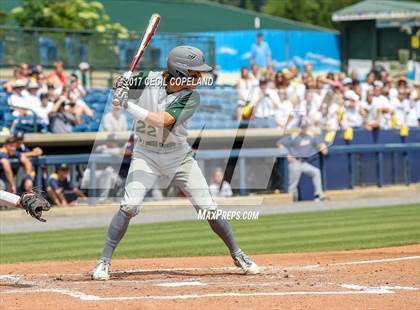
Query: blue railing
[[347, 170]]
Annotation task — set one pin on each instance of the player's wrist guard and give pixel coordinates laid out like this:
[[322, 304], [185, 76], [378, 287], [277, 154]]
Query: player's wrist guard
[[138, 112]]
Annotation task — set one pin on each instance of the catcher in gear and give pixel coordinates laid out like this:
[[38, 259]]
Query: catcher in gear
[[32, 202]]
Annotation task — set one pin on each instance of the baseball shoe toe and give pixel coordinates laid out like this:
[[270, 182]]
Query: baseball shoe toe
[[246, 263], [101, 271]]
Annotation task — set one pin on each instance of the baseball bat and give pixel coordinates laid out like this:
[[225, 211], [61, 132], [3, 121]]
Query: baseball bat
[[147, 37]]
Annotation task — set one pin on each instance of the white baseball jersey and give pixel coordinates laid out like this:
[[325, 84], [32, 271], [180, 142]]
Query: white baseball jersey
[[149, 92]]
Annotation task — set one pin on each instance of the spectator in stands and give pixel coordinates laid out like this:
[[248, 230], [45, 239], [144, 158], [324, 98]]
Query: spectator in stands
[[43, 83], [309, 69], [367, 85], [260, 53], [107, 177], [400, 109], [218, 187], [352, 117], [16, 76], [264, 103], [43, 111], [301, 150], [10, 169], [23, 149], [114, 121], [354, 75], [269, 76], [369, 113], [245, 87], [32, 97], [18, 99], [62, 121], [25, 71], [74, 93], [284, 112], [53, 94], [381, 107], [60, 190], [83, 75], [347, 84], [57, 77], [256, 73]]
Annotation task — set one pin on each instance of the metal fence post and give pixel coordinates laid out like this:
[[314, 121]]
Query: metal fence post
[[242, 177], [92, 185], [379, 165], [285, 175]]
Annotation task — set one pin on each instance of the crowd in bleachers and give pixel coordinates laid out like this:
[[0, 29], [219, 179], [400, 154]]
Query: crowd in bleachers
[[283, 99], [37, 101]]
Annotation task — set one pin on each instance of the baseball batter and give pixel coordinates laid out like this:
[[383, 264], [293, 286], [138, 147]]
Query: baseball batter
[[161, 104]]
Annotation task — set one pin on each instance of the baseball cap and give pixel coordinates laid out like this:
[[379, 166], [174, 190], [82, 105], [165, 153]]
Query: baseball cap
[[33, 85], [19, 135], [378, 84], [347, 80], [351, 95], [84, 66], [19, 83], [61, 167]]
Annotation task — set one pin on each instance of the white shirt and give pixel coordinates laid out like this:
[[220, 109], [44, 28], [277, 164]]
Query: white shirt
[[352, 118], [245, 90], [225, 191], [33, 101], [19, 101], [365, 89], [282, 112], [42, 112], [265, 103], [111, 123], [401, 109], [378, 103]]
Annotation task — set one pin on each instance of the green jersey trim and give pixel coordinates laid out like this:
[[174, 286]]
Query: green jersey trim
[[184, 107], [139, 81]]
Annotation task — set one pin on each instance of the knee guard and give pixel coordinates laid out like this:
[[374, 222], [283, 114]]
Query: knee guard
[[130, 211]]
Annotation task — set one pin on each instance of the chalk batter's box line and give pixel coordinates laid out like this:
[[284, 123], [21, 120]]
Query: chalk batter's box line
[[264, 268]]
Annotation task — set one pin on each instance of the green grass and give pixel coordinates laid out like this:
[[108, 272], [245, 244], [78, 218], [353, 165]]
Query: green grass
[[298, 232]]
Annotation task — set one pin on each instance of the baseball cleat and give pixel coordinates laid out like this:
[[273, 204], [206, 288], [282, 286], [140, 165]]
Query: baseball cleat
[[101, 271], [247, 264]]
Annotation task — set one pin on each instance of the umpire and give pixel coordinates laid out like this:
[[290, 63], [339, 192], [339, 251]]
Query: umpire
[[301, 149]]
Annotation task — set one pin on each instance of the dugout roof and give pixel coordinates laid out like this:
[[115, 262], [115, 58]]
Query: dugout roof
[[378, 9]]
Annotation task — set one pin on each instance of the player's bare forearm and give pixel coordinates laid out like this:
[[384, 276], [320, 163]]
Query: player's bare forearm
[[156, 119], [8, 173], [53, 195], [27, 165], [79, 193]]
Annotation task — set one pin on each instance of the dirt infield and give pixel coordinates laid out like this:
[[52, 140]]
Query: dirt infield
[[376, 279]]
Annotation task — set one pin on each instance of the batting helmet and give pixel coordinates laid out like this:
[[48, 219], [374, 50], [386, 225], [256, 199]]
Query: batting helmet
[[184, 58]]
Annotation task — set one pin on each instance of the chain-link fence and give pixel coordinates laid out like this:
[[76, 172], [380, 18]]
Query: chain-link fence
[[103, 51]]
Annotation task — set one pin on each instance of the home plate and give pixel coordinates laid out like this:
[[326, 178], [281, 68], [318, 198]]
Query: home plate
[[179, 284]]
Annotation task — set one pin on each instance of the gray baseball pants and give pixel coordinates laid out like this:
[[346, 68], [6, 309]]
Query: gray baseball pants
[[296, 169], [179, 165]]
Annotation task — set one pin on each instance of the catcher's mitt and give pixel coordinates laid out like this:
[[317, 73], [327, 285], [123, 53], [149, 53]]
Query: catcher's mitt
[[34, 204]]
